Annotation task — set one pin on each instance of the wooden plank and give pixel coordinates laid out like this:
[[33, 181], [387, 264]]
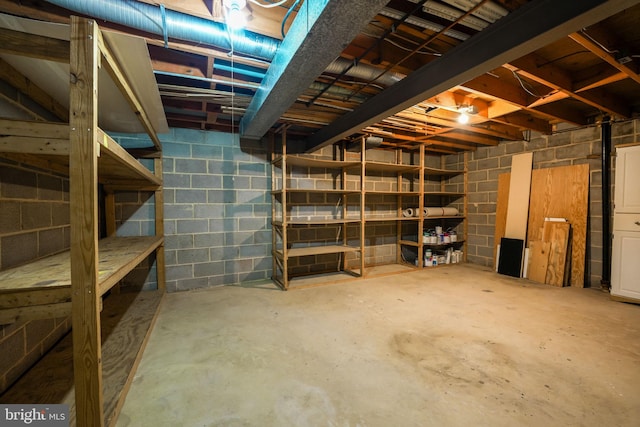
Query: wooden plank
[[35, 129], [557, 235], [34, 46], [34, 312], [83, 177], [519, 188], [321, 250], [538, 260], [31, 145], [159, 223], [562, 192], [501, 212], [52, 273]]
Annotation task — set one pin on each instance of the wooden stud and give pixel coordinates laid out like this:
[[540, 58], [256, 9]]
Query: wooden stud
[[159, 223], [83, 177]]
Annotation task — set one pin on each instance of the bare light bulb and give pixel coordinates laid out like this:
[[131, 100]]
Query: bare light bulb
[[463, 118], [235, 16]]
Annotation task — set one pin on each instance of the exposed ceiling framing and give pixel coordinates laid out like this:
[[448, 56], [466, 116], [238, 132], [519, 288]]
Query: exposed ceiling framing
[[400, 69]]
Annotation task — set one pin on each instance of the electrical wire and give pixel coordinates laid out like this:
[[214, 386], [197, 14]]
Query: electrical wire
[[286, 17], [269, 5], [522, 83], [421, 52]]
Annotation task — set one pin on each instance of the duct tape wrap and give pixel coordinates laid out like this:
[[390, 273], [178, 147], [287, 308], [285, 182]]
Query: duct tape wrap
[[440, 211]]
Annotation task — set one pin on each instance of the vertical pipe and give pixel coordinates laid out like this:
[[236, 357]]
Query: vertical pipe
[[605, 282]]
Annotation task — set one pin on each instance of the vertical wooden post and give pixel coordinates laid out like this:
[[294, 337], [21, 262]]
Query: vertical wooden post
[[159, 208], [83, 176], [285, 225], [421, 207], [363, 221], [465, 207]]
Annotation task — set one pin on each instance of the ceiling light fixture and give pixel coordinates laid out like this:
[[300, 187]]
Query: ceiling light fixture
[[234, 14], [464, 111]]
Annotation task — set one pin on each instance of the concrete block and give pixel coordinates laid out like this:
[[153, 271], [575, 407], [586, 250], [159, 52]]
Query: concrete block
[[559, 139], [192, 226], [480, 175], [573, 151], [190, 284], [190, 166], [543, 156], [176, 150], [49, 187], [237, 266], [18, 249], [221, 138], [178, 212], [490, 163], [9, 216], [221, 196], [514, 147], [192, 256], [236, 182], [50, 241], [18, 183], [252, 169], [208, 240], [221, 167], [208, 269], [191, 196], [536, 143], [590, 133], [179, 272], [175, 180], [190, 136], [168, 165], [223, 225], [487, 186], [209, 211], [206, 151]]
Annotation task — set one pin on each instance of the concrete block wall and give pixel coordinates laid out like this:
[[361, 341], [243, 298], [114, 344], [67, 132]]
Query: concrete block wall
[[34, 223], [217, 208], [570, 147]]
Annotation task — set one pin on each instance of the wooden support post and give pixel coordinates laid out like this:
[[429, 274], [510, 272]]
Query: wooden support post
[[363, 222], [421, 207], [285, 231], [83, 176], [159, 208]]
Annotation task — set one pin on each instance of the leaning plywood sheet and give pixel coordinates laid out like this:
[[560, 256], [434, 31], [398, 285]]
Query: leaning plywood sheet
[[519, 188], [501, 211], [557, 234], [562, 192], [538, 260]]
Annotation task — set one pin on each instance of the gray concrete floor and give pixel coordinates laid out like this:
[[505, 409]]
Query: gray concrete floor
[[450, 346]]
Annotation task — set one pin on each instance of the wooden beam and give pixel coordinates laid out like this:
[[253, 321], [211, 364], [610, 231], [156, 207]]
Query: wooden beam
[[598, 50], [83, 177], [524, 121], [34, 46], [558, 79]]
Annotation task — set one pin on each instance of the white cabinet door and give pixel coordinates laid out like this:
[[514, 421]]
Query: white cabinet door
[[625, 269], [627, 185]]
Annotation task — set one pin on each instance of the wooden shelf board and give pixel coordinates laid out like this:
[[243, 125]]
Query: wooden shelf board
[[317, 221], [444, 217], [319, 250], [393, 193], [48, 280], [390, 167], [314, 191], [309, 162], [392, 218], [50, 143], [443, 193], [441, 172], [127, 319]]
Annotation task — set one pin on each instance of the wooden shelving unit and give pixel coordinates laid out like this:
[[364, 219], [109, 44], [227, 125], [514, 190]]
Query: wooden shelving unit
[[410, 189], [283, 221], [76, 282]]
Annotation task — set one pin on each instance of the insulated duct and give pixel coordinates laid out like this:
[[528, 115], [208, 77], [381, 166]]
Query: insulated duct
[[172, 24], [363, 72]]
